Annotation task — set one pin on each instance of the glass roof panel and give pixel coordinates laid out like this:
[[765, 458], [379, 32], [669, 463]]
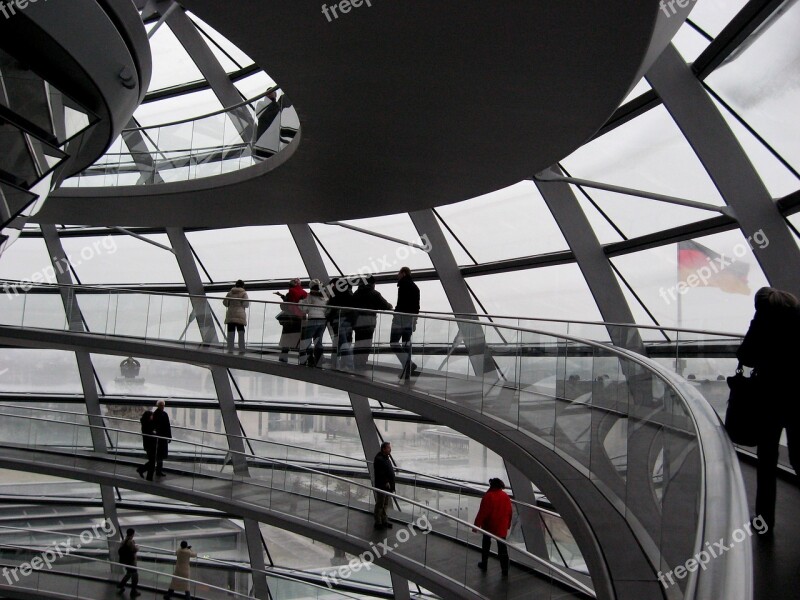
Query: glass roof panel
[[689, 42], [24, 258], [714, 15], [357, 252], [255, 84], [603, 229], [113, 259], [456, 246], [235, 53], [172, 65], [558, 292], [185, 106], [724, 304], [626, 212], [648, 153], [501, 225], [760, 83], [249, 253], [778, 178]]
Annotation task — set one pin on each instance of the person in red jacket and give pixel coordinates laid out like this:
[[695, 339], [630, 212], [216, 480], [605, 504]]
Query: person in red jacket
[[494, 516]]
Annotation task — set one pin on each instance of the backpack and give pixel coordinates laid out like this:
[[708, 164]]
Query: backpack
[[125, 552]]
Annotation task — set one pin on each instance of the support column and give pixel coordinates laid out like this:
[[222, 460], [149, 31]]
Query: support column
[[728, 166], [309, 252], [227, 404], [455, 288], [61, 267], [531, 523], [592, 261]]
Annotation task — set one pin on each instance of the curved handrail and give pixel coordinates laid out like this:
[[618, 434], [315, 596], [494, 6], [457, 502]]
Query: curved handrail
[[167, 553], [112, 563], [453, 315], [630, 362], [211, 114], [244, 456], [246, 439]]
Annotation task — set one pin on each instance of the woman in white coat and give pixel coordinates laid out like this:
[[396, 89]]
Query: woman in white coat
[[236, 316], [180, 576]]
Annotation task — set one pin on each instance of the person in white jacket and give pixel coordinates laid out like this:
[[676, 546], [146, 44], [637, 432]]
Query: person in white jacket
[[181, 574], [314, 310], [236, 316]]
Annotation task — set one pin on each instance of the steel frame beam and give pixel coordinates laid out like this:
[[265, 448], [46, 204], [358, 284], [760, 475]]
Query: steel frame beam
[[227, 404], [728, 166]]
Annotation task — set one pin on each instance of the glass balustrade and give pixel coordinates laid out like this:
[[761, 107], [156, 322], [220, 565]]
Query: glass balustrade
[[295, 491], [210, 578], [614, 416], [221, 142]]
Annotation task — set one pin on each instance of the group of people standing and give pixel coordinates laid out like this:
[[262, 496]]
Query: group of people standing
[[306, 316]]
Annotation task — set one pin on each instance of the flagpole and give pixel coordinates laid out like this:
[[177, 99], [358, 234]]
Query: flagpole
[[680, 308]]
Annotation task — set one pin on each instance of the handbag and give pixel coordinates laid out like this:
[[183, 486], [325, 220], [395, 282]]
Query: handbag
[[743, 417], [284, 318]]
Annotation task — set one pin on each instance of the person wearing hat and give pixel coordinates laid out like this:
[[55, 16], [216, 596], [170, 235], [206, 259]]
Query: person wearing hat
[[180, 577], [494, 516]]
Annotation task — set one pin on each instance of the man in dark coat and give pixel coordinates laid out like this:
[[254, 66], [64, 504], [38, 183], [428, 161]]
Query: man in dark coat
[[384, 480], [770, 347], [403, 325], [163, 432], [367, 297], [494, 516], [127, 556], [149, 444]]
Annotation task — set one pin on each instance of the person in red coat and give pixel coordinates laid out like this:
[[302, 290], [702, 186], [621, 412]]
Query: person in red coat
[[494, 516]]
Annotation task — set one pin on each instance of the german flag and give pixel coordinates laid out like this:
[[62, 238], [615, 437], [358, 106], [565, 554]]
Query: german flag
[[711, 269]]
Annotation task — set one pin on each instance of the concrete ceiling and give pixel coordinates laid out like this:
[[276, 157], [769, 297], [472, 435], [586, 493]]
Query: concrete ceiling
[[403, 105]]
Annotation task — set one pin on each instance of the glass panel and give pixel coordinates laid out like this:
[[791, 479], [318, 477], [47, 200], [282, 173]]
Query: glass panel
[[769, 98], [511, 215], [646, 153]]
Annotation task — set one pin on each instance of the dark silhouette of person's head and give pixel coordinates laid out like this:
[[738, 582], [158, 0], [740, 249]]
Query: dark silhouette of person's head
[[773, 299], [184, 544], [239, 283], [496, 484]]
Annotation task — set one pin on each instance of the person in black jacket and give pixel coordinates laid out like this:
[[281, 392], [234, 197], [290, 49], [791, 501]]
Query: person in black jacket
[[771, 348], [366, 296], [127, 556], [163, 432], [149, 445], [384, 480], [340, 316], [403, 325]]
